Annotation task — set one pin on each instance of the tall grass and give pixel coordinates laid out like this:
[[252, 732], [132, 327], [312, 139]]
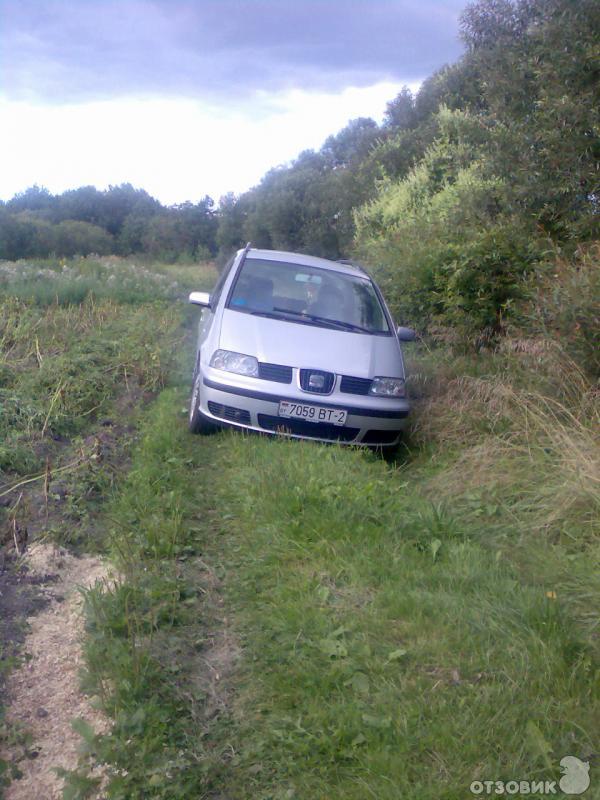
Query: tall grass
[[74, 336], [534, 443], [62, 282], [61, 367]]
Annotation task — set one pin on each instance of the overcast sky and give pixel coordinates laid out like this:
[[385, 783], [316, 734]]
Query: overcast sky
[[192, 97]]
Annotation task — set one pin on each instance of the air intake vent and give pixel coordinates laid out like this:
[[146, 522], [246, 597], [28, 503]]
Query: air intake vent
[[351, 385], [274, 372], [316, 381], [229, 413], [310, 430]]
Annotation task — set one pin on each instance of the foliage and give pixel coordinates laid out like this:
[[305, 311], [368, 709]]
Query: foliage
[[443, 241], [461, 241], [36, 224], [538, 67], [563, 305]]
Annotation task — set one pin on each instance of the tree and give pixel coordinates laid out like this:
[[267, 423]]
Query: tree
[[400, 112], [36, 198], [540, 80], [351, 144], [85, 204], [74, 237], [447, 244], [230, 229], [120, 202]]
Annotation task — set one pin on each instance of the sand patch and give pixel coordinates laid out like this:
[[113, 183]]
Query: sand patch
[[43, 693]]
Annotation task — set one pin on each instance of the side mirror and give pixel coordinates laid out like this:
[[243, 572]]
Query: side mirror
[[200, 299], [406, 334]]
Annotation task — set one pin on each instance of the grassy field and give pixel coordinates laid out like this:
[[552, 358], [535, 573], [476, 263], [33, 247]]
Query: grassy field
[[84, 346], [295, 620]]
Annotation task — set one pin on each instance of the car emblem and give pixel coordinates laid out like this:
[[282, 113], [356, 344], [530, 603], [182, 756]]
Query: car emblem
[[316, 381]]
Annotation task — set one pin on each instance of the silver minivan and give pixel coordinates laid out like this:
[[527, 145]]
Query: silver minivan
[[299, 346]]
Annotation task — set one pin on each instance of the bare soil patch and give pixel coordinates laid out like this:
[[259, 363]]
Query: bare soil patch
[[43, 693]]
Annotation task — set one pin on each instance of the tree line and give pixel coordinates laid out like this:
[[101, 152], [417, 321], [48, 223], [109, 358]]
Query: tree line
[[120, 220]]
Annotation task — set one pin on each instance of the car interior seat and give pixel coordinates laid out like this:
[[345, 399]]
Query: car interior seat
[[261, 294], [328, 303]]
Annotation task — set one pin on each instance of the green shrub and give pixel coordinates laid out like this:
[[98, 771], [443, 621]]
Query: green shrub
[[444, 242], [564, 305]]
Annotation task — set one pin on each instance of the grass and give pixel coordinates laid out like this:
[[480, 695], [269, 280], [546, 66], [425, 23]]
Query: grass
[[145, 647], [125, 281], [73, 337], [399, 631], [399, 641]]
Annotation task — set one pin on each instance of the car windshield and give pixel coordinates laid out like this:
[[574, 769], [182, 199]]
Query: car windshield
[[308, 295]]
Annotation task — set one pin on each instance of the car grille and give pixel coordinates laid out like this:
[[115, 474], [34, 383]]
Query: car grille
[[351, 385], [380, 437], [312, 430], [229, 413], [328, 381], [274, 372]]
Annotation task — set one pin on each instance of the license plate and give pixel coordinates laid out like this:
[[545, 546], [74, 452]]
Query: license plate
[[334, 416]]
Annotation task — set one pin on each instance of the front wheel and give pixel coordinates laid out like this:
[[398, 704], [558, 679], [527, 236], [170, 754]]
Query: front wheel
[[198, 423]]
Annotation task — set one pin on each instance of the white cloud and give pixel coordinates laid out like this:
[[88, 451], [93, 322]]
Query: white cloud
[[176, 149]]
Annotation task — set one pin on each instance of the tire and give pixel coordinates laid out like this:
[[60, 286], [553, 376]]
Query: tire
[[198, 423]]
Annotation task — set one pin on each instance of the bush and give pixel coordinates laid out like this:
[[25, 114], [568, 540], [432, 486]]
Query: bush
[[82, 238], [564, 305], [444, 241]]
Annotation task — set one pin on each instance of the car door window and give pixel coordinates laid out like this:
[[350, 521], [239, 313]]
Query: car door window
[[216, 292]]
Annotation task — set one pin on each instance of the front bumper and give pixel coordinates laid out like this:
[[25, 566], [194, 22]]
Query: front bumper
[[253, 404]]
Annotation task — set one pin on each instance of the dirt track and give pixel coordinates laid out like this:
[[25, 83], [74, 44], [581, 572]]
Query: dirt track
[[43, 694]]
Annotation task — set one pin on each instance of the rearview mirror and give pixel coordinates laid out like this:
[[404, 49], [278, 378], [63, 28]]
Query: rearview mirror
[[406, 334], [200, 299]]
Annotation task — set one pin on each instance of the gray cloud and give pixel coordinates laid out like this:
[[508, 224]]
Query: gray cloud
[[73, 50]]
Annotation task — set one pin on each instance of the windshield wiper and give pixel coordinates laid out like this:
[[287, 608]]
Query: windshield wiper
[[269, 314], [347, 326], [306, 319], [333, 323]]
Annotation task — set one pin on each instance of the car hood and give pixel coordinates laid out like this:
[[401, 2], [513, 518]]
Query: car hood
[[299, 345]]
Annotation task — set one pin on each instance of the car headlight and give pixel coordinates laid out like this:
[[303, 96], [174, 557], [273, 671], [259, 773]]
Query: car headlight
[[235, 362], [388, 387]]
